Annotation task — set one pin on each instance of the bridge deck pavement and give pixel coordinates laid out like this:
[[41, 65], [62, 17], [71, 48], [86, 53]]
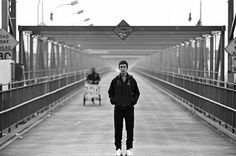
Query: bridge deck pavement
[[162, 128]]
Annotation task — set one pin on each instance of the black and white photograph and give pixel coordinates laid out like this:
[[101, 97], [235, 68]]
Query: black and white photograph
[[117, 78]]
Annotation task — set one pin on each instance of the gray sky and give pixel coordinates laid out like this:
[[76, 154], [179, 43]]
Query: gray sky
[[134, 12]]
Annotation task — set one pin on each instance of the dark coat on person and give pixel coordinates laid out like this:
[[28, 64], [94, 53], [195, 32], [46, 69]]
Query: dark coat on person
[[93, 77], [123, 95]]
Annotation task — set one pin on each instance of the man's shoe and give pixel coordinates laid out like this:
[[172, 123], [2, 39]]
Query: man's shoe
[[129, 152], [118, 152]]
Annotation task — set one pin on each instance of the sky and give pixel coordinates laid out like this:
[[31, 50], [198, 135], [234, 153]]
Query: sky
[[112, 12], [134, 12]]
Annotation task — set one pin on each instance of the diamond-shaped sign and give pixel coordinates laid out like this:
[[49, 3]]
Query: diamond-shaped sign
[[123, 30], [7, 41]]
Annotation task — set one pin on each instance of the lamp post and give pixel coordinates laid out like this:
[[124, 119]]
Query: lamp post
[[199, 23], [42, 22], [72, 4]]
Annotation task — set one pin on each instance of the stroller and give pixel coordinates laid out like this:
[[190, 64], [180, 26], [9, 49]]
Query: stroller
[[92, 93]]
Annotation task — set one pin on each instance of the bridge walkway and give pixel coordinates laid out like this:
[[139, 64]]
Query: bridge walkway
[[163, 127]]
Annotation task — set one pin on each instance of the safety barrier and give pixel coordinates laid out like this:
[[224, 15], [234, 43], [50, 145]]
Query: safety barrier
[[213, 101], [21, 104]]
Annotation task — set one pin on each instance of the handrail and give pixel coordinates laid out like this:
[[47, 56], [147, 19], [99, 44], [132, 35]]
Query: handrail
[[52, 92], [202, 97]]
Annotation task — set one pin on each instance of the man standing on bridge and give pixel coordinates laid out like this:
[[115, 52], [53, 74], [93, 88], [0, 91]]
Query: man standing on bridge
[[124, 94]]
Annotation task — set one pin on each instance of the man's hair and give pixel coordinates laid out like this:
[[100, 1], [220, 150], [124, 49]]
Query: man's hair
[[93, 69], [123, 62]]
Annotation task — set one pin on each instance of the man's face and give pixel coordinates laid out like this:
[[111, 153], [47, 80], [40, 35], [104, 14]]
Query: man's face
[[123, 69]]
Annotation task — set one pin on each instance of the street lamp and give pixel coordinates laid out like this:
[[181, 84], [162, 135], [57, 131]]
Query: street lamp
[[79, 12], [189, 17], [74, 13], [87, 19], [72, 4]]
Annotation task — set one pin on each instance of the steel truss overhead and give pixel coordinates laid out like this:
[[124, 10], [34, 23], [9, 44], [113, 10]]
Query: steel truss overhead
[[143, 41], [146, 38]]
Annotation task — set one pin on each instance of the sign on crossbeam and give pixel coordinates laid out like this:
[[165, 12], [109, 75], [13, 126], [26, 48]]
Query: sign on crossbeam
[[231, 47], [234, 64], [5, 55], [123, 30], [7, 43]]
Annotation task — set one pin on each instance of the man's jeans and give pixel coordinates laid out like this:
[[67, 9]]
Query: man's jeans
[[128, 115]]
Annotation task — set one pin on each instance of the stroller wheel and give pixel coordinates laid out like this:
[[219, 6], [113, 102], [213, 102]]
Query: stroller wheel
[[99, 98], [84, 100]]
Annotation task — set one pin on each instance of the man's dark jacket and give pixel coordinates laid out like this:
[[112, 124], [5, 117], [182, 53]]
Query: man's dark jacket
[[94, 77], [123, 95]]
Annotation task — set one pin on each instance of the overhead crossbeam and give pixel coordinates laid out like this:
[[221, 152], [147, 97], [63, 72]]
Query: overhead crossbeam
[[103, 37]]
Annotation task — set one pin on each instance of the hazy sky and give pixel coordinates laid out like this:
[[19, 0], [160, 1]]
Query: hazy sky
[[134, 12]]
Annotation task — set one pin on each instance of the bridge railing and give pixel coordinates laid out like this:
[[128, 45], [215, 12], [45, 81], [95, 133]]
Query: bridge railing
[[215, 102], [20, 104]]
